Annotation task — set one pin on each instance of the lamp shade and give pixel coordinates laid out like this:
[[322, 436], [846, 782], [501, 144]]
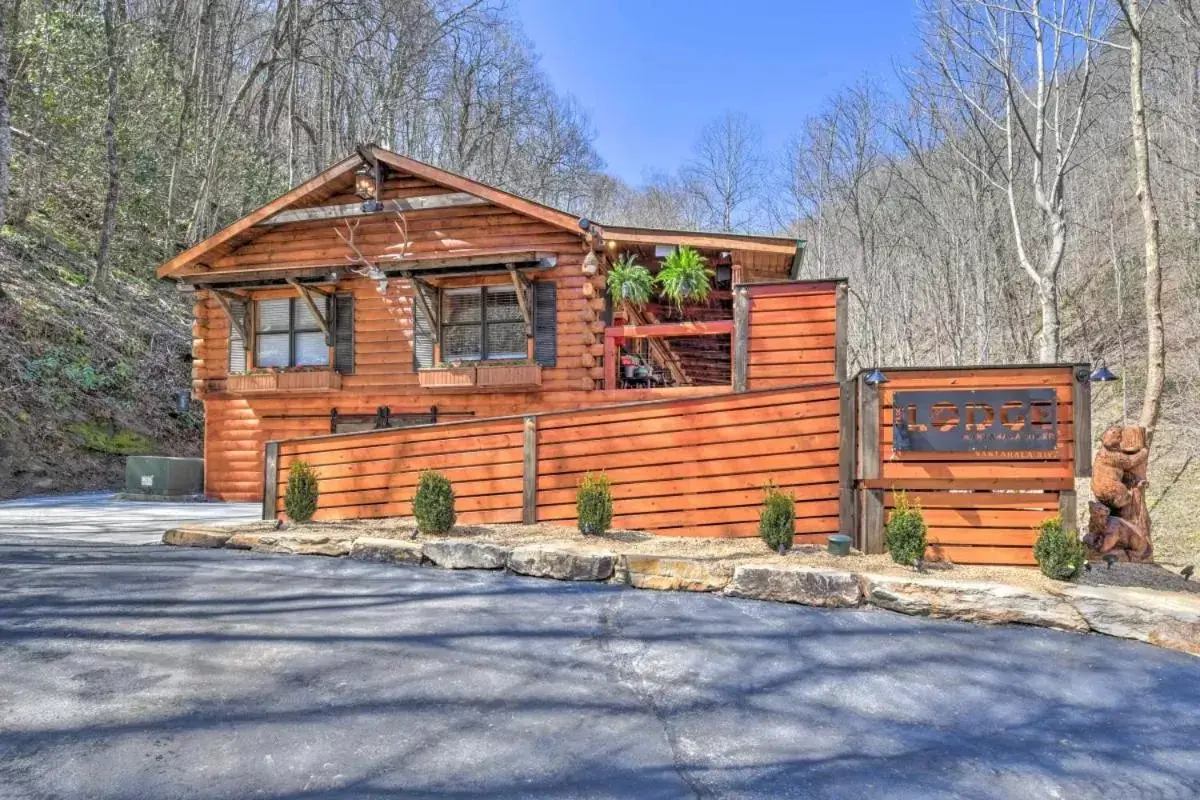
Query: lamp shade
[[875, 377], [1103, 375]]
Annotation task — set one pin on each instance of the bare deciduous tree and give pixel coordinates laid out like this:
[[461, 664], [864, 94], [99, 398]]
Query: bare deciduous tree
[[108, 224], [726, 171], [1019, 76]]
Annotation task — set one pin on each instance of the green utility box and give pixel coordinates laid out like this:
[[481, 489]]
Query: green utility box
[[160, 476]]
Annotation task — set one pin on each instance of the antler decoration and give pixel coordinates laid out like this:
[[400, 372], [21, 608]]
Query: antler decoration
[[367, 268]]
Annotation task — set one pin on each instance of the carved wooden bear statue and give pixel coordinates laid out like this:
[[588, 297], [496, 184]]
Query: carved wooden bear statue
[[1119, 487]]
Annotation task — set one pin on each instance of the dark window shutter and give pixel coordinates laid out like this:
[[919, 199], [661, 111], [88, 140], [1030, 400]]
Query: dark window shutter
[[237, 345], [545, 324], [422, 336], [343, 333]]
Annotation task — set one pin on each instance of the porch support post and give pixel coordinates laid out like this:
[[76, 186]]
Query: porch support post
[[1067, 510], [610, 359], [868, 467], [1081, 419], [872, 521], [847, 430], [741, 338], [529, 473], [868, 426], [841, 331], [270, 480]]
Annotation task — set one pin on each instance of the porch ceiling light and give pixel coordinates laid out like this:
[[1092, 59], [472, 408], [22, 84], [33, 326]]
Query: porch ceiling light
[[875, 377]]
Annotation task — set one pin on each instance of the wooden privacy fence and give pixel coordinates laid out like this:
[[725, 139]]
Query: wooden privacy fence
[[982, 506], [691, 467]]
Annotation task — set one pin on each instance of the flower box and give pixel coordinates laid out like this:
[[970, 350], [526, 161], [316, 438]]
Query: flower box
[[481, 377], [447, 378], [252, 383], [310, 380], [508, 376], [302, 380]]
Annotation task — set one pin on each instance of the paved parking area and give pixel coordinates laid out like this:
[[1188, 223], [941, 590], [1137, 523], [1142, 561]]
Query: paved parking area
[[148, 672], [101, 518]]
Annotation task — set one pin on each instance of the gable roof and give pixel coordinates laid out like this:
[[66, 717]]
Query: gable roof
[[338, 180]]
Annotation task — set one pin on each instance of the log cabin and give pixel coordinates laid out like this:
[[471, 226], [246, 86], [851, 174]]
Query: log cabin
[[385, 292]]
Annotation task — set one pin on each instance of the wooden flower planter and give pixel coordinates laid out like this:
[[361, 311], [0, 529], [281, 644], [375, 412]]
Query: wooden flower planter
[[325, 380], [447, 378], [298, 381], [252, 384], [508, 376], [481, 378]]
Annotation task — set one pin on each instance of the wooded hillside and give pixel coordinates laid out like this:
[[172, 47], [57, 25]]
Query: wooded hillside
[[994, 209]]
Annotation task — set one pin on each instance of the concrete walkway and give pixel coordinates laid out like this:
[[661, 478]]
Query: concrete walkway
[[101, 519], [155, 672]]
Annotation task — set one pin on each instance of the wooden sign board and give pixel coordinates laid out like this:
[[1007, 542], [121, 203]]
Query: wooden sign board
[[975, 421]]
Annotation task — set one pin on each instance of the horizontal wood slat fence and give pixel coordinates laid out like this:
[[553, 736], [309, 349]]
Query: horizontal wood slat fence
[[696, 465], [980, 507], [690, 467]]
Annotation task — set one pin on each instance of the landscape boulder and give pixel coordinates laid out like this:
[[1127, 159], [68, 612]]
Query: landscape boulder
[[305, 544], [1166, 619], [665, 573], [561, 563], [451, 554], [808, 586], [389, 551], [970, 601], [196, 537]]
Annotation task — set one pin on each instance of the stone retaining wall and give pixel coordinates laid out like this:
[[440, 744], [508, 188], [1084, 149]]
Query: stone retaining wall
[[1166, 619]]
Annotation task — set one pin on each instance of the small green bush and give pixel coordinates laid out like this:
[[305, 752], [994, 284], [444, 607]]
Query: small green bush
[[905, 534], [1059, 553], [777, 520], [433, 505], [593, 504], [300, 500]]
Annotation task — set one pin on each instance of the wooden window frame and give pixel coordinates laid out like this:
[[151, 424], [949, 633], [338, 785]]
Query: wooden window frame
[[482, 290], [292, 331]]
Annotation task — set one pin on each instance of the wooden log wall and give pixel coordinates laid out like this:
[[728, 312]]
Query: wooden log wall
[[237, 427], [980, 507], [688, 467], [795, 332]]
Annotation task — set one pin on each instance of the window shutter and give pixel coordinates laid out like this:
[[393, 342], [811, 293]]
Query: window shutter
[[343, 333], [422, 336], [545, 324], [237, 346]]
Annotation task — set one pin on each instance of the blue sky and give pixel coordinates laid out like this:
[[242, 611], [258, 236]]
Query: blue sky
[[651, 73]]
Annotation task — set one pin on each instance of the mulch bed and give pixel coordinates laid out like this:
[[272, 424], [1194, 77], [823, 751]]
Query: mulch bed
[[1143, 576]]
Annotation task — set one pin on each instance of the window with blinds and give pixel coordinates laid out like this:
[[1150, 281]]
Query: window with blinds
[[286, 334], [482, 323]]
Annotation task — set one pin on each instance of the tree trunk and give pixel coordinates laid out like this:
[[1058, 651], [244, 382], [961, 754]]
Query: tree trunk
[[109, 223], [1048, 298], [5, 131], [1155, 353]]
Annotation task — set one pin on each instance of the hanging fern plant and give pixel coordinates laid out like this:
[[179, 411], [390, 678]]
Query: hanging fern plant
[[629, 282], [685, 277]]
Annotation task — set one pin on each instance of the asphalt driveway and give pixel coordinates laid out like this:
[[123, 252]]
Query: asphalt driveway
[[152, 672], [101, 518]]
